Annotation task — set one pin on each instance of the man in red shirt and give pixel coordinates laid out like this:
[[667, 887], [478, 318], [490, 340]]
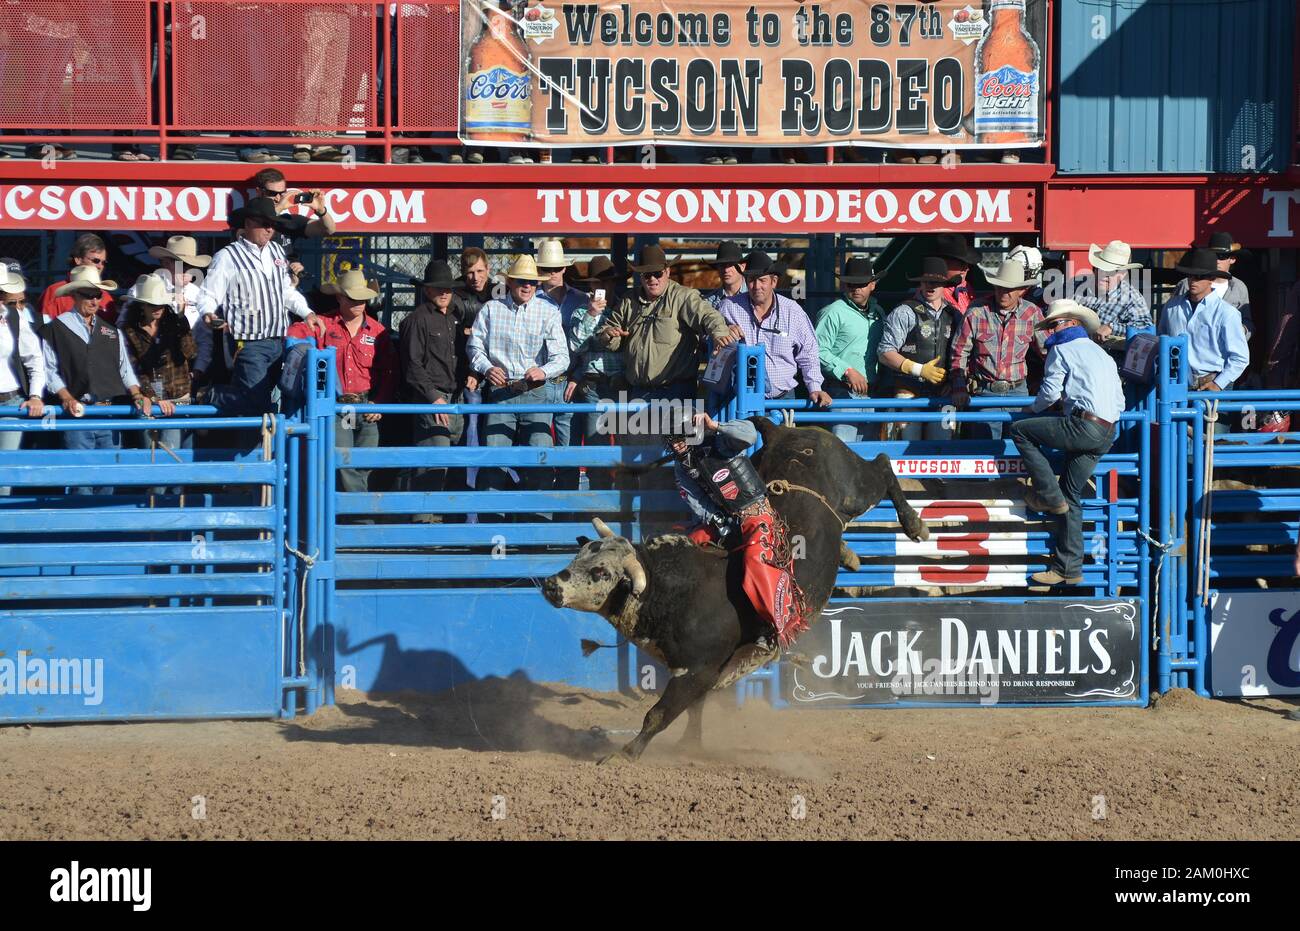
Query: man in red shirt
[[958, 253], [366, 366], [88, 252]]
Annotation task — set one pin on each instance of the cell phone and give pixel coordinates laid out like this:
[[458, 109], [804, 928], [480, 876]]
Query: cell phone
[[304, 197], [599, 294]]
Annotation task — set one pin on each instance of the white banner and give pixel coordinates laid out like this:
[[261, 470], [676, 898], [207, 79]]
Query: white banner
[[1254, 643]]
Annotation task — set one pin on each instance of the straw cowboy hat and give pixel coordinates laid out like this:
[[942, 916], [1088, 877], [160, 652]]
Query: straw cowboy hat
[[1012, 273], [1113, 257], [11, 282], [352, 283], [1199, 263], [550, 254], [149, 289], [182, 249], [524, 269], [84, 278], [1064, 308]]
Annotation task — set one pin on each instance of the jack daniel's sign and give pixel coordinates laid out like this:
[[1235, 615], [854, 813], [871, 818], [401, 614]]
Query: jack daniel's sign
[[969, 652]]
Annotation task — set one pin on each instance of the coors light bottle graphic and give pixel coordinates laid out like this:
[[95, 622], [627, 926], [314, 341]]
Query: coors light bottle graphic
[[496, 104], [1007, 88]]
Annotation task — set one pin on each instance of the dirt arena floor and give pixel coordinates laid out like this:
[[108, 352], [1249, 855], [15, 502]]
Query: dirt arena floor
[[513, 759]]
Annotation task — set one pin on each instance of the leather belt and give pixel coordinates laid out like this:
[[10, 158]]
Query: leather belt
[[1200, 381], [360, 398], [1089, 415], [998, 386], [7, 396], [559, 379]]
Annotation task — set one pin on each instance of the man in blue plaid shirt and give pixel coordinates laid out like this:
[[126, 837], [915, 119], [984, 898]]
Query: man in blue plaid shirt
[[518, 346], [1117, 303]]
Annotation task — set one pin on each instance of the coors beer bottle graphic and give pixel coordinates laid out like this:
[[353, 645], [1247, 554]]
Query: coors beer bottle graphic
[[1006, 77], [497, 105]]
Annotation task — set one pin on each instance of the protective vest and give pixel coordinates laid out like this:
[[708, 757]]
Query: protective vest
[[928, 339], [732, 484]]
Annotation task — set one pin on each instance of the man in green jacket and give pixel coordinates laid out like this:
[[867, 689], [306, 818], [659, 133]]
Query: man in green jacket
[[659, 328], [848, 332]]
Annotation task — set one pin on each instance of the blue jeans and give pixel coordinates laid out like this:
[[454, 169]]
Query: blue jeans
[[848, 432], [172, 438], [429, 433], [933, 431], [1084, 443], [252, 380], [361, 433], [566, 478], [593, 391], [92, 439], [507, 429], [993, 431]]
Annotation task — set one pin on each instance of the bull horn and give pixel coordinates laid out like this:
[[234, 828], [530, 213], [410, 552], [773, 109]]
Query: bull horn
[[601, 528], [636, 572]]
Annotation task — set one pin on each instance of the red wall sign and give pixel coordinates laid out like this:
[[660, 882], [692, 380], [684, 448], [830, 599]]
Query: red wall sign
[[560, 209]]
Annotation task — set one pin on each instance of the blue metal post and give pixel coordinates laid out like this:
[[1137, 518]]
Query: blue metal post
[[329, 421]]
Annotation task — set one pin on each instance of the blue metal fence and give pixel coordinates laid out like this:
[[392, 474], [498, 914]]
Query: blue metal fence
[[263, 587]]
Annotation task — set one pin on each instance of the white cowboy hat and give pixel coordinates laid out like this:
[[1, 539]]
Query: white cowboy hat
[[11, 282], [550, 254], [150, 289], [1114, 257], [182, 249], [1012, 274], [352, 283], [524, 269], [1072, 309], [83, 278]]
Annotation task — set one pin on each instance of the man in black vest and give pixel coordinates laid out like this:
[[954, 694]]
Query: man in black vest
[[22, 364], [915, 343], [86, 363]]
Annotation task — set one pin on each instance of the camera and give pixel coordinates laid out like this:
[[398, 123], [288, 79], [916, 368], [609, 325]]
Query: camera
[[304, 197]]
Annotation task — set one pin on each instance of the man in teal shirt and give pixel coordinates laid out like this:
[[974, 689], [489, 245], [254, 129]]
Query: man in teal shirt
[[848, 332]]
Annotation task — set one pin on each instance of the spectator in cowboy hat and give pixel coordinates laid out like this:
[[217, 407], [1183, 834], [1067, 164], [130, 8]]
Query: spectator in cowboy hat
[[915, 342], [848, 338], [659, 327], [991, 349], [248, 282], [553, 263], [598, 374], [86, 362], [960, 256], [761, 317], [22, 361], [1216, 341], [432, 371], [1117, 303], [730, 263], [1226, 250], [365, 362], [88, 251], [178, 261], [1083, 378], [517, 346], [161, 348]]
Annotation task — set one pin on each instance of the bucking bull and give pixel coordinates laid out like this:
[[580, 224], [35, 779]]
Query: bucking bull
[[685, 605]]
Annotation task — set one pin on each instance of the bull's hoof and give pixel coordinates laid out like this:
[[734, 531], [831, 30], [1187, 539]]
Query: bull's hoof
[[629, 752], [918, 531]]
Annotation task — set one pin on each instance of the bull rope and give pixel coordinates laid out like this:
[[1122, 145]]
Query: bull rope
[[307, 563], [779, 486]]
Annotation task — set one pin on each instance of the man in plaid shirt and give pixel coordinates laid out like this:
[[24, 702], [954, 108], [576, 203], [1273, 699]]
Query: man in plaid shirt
[[1117, 303], [518, 346], [991, 347]]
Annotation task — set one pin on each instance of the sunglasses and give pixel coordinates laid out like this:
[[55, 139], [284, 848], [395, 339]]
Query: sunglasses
[[270, 193], [96, 262], [88, 295], [659, 274]]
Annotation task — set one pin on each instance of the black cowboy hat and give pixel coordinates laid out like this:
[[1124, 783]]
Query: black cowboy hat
[[437, 274], [858, 270], [259, 208], [599, 271], [1201, 263], [728, 254], [758, 264], [1225, 245], [955, 246], [934, 270], [651, 259]]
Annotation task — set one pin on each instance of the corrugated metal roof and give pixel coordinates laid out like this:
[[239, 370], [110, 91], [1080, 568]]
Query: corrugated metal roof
[[1182, 86]]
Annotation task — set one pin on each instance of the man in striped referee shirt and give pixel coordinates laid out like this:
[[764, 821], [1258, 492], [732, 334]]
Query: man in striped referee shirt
[[248, 291]]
